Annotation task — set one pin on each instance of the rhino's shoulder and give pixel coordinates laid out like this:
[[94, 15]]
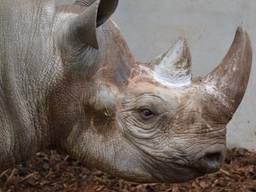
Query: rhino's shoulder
[[21, 8], [26, 27], [27, 44], [23, 17]]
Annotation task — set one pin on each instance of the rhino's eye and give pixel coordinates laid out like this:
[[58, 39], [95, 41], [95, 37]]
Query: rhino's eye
[[146, 114]]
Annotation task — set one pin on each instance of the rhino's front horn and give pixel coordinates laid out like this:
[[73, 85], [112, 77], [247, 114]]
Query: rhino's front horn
[[174, 66], [229, 80]]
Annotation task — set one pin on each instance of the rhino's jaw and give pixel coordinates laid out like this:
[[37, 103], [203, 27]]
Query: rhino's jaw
[[206, 162], [175, 165], [145, 168], [141, 167]]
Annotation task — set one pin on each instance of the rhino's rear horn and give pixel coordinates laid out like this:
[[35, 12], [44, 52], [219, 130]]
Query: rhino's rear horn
[[229, 80], [174, 66]]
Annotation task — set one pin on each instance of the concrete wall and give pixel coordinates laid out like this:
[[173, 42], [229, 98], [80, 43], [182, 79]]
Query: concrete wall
[[152, 26]]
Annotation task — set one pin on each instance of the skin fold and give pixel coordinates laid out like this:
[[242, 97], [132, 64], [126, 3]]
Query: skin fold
[[68, 80]]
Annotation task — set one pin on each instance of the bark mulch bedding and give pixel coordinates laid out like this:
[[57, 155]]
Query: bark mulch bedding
[[52, 172]]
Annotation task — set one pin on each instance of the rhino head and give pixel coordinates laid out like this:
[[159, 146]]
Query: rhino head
[[146, 122]]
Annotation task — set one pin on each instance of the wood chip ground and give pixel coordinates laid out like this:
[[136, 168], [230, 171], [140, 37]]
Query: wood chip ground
[[52, 172]]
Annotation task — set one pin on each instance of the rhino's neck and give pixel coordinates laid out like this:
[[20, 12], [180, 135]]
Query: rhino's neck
[[28, 70]]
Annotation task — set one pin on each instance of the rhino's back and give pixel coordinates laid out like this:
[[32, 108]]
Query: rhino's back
[[25, 67]]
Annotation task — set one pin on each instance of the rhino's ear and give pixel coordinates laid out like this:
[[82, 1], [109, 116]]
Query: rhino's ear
[[82, 28], [105, 9]]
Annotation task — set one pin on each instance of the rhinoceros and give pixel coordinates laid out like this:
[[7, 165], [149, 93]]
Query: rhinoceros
[[68, 80]]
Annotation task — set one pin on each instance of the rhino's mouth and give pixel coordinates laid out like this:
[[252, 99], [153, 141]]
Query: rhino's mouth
[[175, 173]]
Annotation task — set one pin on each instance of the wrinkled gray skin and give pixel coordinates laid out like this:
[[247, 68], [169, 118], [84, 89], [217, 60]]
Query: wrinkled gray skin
[[67, 84]]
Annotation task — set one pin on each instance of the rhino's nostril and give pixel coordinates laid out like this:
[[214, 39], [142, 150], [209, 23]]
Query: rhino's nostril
[[211, 161]]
